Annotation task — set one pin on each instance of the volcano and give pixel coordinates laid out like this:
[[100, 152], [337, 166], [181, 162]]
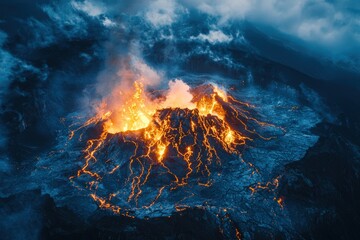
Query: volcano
[[179, 150], [173, 119]]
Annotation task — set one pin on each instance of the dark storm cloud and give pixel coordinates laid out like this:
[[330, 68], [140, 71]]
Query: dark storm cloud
[[326, 29], [332, 27], [330, 23]]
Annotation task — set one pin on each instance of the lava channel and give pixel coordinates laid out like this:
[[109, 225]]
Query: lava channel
[[159, 149]]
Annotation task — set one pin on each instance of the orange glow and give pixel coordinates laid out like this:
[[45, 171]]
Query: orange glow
[[191, 124], [280, 201], [238, 234], [221, 93], [229, 137], [135, 109], [135, 113], [161, 148]]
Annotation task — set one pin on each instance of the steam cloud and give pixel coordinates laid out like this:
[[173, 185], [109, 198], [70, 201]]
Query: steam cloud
[[130, 86]]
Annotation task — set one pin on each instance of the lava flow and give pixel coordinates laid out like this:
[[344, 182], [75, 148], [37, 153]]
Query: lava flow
[[154, 141]]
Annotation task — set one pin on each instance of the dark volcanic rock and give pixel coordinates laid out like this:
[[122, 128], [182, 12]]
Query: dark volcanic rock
[[326, 185], [30, 215]]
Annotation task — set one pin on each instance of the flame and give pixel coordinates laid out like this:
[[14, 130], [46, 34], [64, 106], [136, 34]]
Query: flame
[[229, 136], [160, 151], [137, 111]]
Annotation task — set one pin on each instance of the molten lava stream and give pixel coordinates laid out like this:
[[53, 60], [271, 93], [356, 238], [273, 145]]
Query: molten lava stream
[[171, 142]]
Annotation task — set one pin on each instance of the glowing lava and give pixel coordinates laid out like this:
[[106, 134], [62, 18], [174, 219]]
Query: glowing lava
[[176, 134], [136, 110], [135, 113]]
